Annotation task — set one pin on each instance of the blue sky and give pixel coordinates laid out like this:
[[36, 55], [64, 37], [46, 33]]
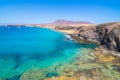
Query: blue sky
[[45, 11]]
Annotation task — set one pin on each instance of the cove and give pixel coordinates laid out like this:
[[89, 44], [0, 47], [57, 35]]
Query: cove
[[23, 48]]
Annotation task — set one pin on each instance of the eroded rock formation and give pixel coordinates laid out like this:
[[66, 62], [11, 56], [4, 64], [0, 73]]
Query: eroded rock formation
[[107, 34]]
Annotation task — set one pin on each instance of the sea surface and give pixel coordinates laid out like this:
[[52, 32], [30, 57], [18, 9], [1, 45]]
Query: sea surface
[[24, 48]]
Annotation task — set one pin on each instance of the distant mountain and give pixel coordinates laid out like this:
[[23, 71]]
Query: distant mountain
[[59, 24], [66, 23]]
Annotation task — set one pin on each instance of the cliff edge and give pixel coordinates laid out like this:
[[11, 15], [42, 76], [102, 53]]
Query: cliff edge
[[107, 35]]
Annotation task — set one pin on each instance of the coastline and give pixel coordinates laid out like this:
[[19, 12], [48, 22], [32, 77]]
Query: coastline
[[99, 63], [78, 40], [70, 33], [100, 55]]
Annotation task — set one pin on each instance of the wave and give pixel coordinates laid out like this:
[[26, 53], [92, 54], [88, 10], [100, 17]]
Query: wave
[[68, 37]]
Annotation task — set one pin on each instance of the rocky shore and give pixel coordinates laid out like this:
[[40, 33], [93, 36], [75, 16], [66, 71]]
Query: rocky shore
[[101, 63], [107, 35], [105, 58]]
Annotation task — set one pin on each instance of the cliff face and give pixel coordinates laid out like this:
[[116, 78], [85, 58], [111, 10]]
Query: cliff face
[[107, 34], [86, 33], [115, 36]]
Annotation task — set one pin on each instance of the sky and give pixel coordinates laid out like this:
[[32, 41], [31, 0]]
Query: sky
[[45, 11]]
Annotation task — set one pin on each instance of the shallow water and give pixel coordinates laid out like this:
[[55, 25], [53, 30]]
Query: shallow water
[[24, 48]]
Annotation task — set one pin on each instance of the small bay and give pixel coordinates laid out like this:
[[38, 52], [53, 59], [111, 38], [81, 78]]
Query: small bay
[[24, 48]]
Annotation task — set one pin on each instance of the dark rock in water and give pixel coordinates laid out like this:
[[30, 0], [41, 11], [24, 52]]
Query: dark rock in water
[[17, 59], [51, 74], [38, 57], [56, 53], [107, 34], [15, 78]]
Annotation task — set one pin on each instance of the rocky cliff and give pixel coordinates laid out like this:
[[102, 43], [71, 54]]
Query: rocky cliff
[[108, 34], [86, 33]]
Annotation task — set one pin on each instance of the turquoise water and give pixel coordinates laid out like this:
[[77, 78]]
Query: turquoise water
[[23, 48]]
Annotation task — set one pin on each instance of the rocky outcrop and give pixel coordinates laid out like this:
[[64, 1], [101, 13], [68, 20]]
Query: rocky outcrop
[[98, 64], [114, 36], [33, 75], [86, 33], [108, 35]]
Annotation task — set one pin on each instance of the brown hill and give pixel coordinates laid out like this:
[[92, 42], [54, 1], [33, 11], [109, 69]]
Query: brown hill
[[66, 23]]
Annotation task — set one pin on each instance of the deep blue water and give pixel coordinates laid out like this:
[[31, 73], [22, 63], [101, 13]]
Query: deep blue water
[[23, 47]]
